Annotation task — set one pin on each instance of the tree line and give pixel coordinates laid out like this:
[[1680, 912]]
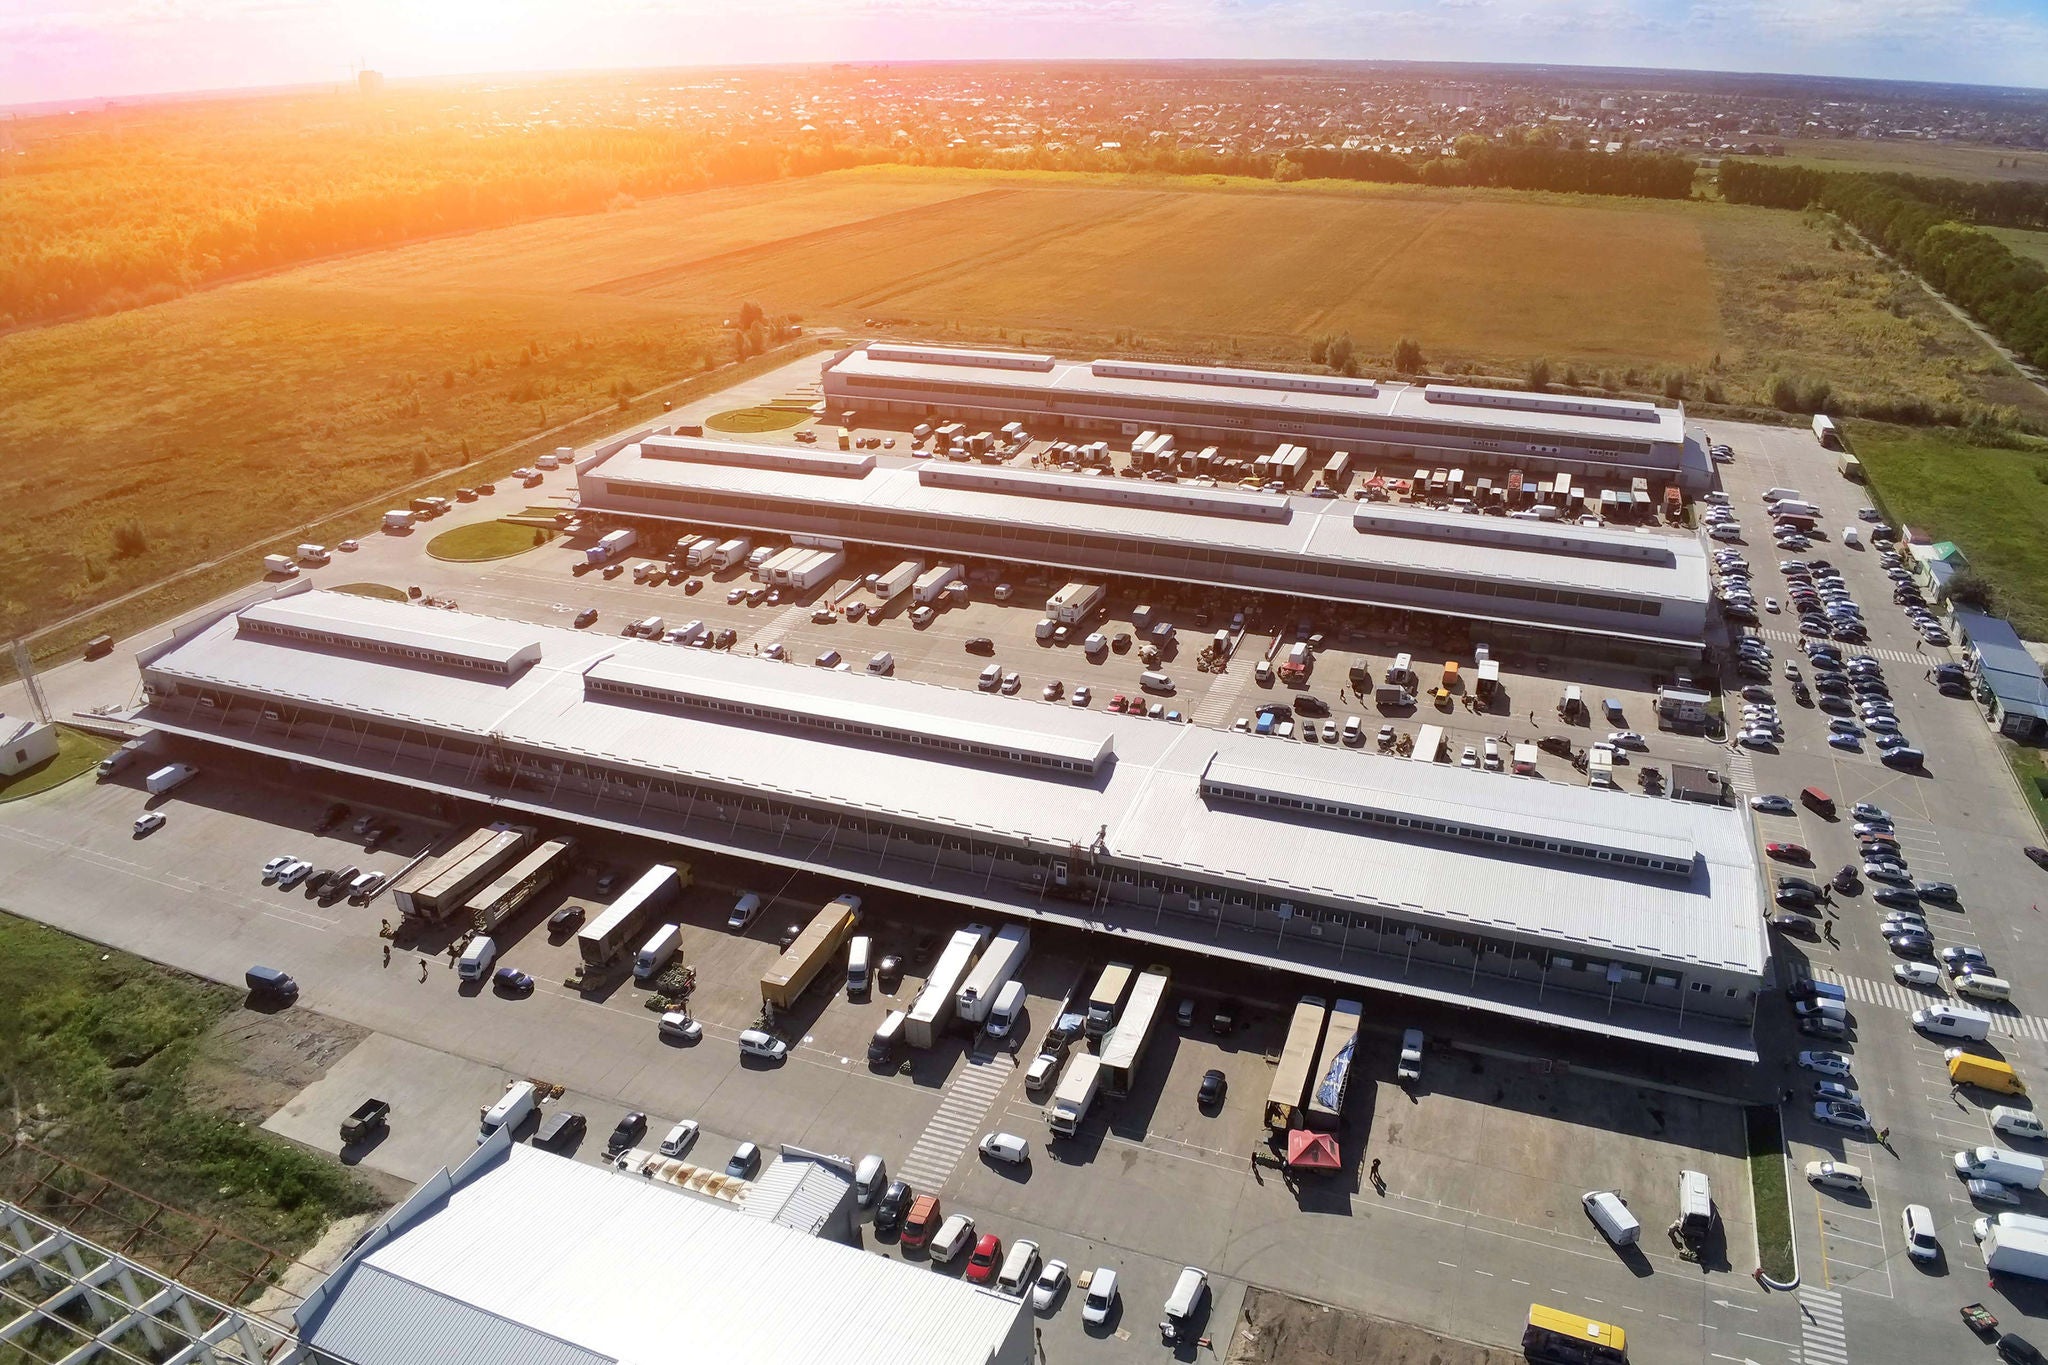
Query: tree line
[[1918, 220]]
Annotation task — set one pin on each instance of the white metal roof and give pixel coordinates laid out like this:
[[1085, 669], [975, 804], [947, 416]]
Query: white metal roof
[[1147, 804], [351, 620], [574, 1263]]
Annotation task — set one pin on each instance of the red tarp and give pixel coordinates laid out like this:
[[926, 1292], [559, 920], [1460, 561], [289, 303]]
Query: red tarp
[[1312, 1151]]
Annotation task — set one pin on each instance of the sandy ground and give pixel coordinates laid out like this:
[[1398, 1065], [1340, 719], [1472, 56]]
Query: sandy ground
[[1278, 1329]]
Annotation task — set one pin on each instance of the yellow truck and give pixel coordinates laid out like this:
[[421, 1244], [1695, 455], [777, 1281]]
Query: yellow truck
[[1966, 1068]]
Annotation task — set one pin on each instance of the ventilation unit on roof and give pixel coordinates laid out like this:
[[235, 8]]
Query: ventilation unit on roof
[[1236, 379], [944, 355], [1614, 409], [689, 450], [1208, 502]]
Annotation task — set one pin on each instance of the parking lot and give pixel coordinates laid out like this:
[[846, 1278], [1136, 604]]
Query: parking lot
[[1483, 1165]]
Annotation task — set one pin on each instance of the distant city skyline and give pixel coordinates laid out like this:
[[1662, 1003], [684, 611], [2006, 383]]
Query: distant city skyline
[[87, 49]]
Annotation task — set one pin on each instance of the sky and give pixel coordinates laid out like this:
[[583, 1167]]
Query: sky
[[78, 49]]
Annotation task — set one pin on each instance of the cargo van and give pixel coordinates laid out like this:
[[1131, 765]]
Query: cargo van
[[1819, 802], [1020, 1263], [1780, 494], [888, 1040], [1984, 987], [882, 664], [2021, 1170], [656, 952], [1953, 1021], [922, 1221], [870, 1178], [1987, 1073], [268, 983], [2019, 1123], [1189, 1293], [1003, 1014], [1154, 681], [858, 978], [1609, 1212], [1695, 1204], [477, 958], [513, 1108]]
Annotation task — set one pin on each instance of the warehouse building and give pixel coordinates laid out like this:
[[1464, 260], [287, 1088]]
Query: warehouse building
[[1602, 439], [1621, 915], [1615, 593], [522, 1255]]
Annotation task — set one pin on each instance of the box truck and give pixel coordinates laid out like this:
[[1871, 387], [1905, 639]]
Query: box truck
[[999, 962], [398, 520], [612, 545], [730, 552], [1108, 997], [280, 566], [169, 777], [1077, 1090], [2015, 1251], [933, 1008]]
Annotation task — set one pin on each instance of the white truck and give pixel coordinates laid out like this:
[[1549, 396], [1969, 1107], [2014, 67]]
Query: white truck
[[1077, 1090], [313, 554], [1409, 1069], [897, 581], [612, 545], [2021, 1170], [1074, 603], [933, 1008], [700, 552], [280, 566], [999, 962], [730, 552], [399, 520], [2016, 1251], [932, 583], [1600, 767], [168, 778], [819, 570]]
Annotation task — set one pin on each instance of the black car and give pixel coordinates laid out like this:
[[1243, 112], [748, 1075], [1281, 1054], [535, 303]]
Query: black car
[[626, 1134], [1224, 1019], [331, 817], [788, 936], [1215, 1085], [1896, 898], [588, 616], [2019, 1351], [980, 644], [565, 921], [1796, 925], [1311, 706], [894, 1203], [1798, 884], [1797, 900], [889, 971], [2036, 855]]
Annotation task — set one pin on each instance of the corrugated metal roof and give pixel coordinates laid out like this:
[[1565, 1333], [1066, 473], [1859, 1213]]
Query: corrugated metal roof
[[557, 1261], [799, 1195], [403, 624], [2004, 663], [1148, 802]]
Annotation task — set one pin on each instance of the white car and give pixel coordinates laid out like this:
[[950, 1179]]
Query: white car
[[1863, 810], [1627, 739], [772, 650], [1916, 973], [1101, 1300], [349, 546], [1826, 1063], [150, 823], [1005, 1147], [276, 866], [1470, 758], [1771, 805], [679, 1138], [1834, 1175], [1052, 1280]]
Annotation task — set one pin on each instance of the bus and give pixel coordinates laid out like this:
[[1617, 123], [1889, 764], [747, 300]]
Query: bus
[[1297, 1059], [1332, 1075], [1555, 1337]]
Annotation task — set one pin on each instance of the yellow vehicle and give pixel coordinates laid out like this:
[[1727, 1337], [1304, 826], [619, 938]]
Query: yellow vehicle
[[1989, 1073], [1555, 1337]]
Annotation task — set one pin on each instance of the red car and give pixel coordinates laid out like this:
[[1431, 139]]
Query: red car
[[1790, 852], [988, 1254], [1118, 702]]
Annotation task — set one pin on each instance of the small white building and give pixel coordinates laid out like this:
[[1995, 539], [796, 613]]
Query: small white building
[[25, 743]]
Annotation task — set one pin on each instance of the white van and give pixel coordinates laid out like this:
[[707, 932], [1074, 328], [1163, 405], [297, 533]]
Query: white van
[[990, 677], [656, 952], [1984, 987], [513, 1108], [882, 664], [1780, 494], [477, 958], [1020, 1264], [870, 1178], [2022, 1123], [1003, 1014], [857, 978], [1609, 1212], [1186, 1299], [1695, 1204], [888, 1040], [648, 628], [1953, 1021], [1046, 626], [1155, 681], [743, 911], [1850, 536]]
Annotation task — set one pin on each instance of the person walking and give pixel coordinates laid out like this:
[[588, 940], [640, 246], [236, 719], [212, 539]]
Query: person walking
[[387, 955], [1884, 1136], [423, 969]]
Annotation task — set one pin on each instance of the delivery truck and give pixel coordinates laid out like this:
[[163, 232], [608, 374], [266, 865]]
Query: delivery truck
[[399, 519], [1077, 1091], [168, 778], [1108, 997], [730, 552], [2015, 1251], [1000, 961], [612, 545], [1987, 1073], [280, 566], [899, 580], [818, 944], [932, 583], [933, 1008]]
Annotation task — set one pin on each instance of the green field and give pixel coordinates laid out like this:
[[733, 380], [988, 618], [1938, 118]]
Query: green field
[[382, 591], [169, 435], [1961, 160], [766, 418], [77, 752], [96, 1053], [481, 540], [1991, 501], [2033, 245]]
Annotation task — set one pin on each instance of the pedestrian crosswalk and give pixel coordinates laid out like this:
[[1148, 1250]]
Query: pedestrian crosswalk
[[1742, 773], [1889, 656], [779, 626], [1891, 995], [958, 1121], [1218, 707], [1822, 1340]]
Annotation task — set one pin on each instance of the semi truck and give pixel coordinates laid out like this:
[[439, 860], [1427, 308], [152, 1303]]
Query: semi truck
[[2018, 1251], [1000, 961], [624, 923], [1123, 1052], [1076, 1092], [933, 1008], [730, 552], [1108, 997], [821, 568], [438, 887], [515, 889], [1075, 603], [932, 583], [1331, 1078], [819, 943], [897, 581], [1297, 1061], [770, 568], [168, 778], [611, 545]]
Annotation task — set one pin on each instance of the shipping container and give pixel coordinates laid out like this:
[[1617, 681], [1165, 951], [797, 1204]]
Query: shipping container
[[898, 580]]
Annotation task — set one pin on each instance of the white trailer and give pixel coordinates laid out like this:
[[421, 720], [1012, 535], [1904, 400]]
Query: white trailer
[[999, 962], [933, 1008], [2015, 1251], [1075, 603], [1124, 1050], [731, 552], [932, 583], [1077, 1091], [897, 581], [771, 566], [166, 778], [612, 545], [818, 570]]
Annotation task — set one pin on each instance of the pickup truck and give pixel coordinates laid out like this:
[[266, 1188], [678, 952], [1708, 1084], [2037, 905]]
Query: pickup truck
[[369, 1116]]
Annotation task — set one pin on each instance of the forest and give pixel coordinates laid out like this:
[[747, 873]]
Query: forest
[[120, 212], [1934, 226]]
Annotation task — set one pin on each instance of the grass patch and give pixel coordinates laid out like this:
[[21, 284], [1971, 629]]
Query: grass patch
[[2031, 768], [95, 1047], [1992, 501], [764, 418], [383, 591], [1768, 1193], [77, 752], [486, 540]]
